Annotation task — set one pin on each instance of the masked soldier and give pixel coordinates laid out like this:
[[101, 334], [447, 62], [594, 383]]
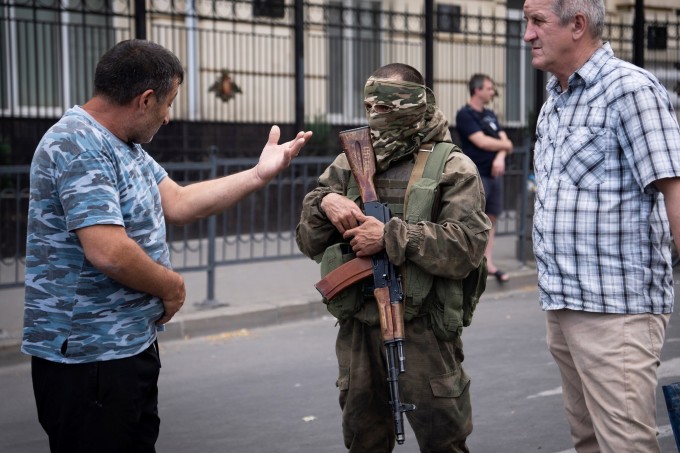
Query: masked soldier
[[436, 251]]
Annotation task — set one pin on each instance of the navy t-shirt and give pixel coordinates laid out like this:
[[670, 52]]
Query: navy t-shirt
[[469, 121]]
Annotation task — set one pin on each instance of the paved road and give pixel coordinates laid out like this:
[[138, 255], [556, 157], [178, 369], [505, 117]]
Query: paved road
[[272, 389]]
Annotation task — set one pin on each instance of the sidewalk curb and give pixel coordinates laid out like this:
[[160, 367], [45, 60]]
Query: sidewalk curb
[[522, 280], [210, 322], [262, 314]]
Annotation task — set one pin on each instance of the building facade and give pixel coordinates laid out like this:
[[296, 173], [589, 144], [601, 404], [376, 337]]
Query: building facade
[[295, 63]]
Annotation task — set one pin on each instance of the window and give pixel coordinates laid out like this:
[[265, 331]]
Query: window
[[354, 53], [269, 8], [518, 73], [448, 18], [48, 54]]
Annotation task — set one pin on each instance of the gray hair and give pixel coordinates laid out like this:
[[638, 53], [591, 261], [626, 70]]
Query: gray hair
[[593, 10]]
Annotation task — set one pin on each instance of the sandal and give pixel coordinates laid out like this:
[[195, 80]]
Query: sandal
[[501, 276]]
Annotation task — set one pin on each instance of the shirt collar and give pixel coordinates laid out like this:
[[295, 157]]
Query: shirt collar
[[587, 73]]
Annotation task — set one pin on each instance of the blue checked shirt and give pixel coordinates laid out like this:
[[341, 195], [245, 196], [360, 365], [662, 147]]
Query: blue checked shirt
[[601, 233]]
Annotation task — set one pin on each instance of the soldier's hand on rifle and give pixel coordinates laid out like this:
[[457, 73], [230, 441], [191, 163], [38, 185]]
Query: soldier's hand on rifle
[[368, 238], [343, 213]]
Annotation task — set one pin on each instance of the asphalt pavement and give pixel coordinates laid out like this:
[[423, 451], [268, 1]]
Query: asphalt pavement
[[272, 389], [275, 292], [256, 295], [505, 351]]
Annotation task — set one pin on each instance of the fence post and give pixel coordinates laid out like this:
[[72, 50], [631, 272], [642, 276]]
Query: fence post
[[299, 66], [140, 19], [524, 247], [639, 34], [429, 44], [210, 300], [212, 230], [523, 220]]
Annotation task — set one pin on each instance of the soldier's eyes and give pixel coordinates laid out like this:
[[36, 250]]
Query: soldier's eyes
[[378, 108]]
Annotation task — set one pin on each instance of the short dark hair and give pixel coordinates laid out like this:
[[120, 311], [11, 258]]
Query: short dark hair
[[405, 72], [477, 82], [134, 66]]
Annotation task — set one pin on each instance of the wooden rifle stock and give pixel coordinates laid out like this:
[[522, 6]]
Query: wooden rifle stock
[[358, 147]]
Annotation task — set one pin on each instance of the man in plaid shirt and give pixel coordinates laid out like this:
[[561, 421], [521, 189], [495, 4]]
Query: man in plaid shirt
[[607, 164]]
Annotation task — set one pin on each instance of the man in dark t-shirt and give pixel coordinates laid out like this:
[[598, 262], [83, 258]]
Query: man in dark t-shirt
[[485, 142]]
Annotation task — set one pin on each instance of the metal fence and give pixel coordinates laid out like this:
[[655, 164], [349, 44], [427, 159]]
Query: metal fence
[[260, 227], [14, 184], [297, 61]]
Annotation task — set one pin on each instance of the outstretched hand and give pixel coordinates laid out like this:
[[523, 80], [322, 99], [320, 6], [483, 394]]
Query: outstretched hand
[[275, 157]]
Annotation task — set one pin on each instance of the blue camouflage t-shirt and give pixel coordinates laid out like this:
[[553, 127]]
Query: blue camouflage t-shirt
[[83, 175]]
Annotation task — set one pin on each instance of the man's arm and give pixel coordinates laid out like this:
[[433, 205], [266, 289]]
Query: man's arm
[[670, 187], [469, 126], [320, 227], [110, 250], [182, 205], [498, 164], [488, 143], [453, 244]]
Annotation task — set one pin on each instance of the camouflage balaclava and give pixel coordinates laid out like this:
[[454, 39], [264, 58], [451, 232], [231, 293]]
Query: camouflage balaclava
[[414, 119]]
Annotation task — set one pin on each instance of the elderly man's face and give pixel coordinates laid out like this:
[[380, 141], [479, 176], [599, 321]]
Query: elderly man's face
[[552, 46]]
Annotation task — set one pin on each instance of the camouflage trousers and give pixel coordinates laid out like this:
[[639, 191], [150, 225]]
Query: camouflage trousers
[[434, 381]]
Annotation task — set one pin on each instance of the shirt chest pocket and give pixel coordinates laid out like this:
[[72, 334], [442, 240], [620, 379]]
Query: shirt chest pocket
[[584, 154]]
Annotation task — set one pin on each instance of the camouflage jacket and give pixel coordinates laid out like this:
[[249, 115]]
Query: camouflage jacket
[[450, 246], [82, 175]]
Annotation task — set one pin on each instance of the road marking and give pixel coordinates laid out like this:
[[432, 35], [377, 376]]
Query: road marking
[[555, 391], [665, 431]]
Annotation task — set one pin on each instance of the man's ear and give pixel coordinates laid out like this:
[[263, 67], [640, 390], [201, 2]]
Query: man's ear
[[579, 27], [144, 100]]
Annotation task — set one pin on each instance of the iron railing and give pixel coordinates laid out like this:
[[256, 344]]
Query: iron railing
[[259, 228]]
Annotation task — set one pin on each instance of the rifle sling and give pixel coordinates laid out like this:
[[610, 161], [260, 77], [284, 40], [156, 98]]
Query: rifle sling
[[343, 276], [418, 169]]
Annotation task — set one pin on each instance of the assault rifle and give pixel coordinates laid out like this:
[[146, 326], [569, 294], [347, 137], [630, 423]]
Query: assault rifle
[[357, 146]]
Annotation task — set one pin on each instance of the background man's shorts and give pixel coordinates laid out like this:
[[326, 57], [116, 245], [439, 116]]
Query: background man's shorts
[[493, 188]]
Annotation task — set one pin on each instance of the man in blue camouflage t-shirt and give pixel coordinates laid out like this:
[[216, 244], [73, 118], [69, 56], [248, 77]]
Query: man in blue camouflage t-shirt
[[99, 283]]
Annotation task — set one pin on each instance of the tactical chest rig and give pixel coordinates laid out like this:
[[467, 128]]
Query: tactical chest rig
[[411, 192]]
